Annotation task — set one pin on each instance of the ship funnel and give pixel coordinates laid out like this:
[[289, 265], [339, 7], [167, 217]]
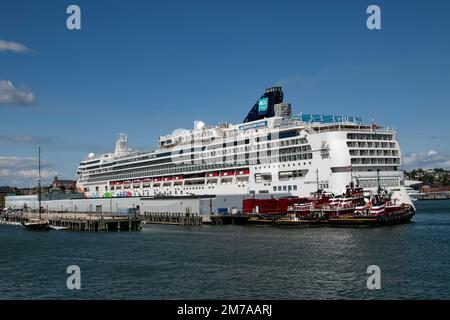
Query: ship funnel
[[264, 107]]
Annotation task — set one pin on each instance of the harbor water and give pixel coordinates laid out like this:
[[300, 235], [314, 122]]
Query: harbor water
[[232, 262]]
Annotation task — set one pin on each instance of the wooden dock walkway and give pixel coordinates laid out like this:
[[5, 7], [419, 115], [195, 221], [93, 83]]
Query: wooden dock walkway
[[77, 221], [82, 221]]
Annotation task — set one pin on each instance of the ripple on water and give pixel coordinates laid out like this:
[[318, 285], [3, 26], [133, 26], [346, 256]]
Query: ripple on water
[[233, 262]]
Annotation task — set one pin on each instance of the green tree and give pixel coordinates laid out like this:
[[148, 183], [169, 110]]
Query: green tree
[[429, 179], [444, 180]]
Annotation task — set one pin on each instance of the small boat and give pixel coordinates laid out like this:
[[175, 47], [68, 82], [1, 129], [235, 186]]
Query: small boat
[[58, 228], [10, 223], [37, 224]]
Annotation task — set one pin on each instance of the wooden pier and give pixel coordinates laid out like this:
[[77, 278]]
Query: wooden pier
[[82, 221], [186, 219], [219, 219], [171, 218]]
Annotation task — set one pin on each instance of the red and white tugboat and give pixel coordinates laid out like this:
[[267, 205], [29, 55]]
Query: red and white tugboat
[[344, 204], [378, 210]]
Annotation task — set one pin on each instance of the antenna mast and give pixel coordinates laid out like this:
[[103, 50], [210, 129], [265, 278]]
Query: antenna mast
[[317, 179], [39, 185]]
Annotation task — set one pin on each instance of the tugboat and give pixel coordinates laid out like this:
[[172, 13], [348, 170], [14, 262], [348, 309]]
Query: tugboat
[[377, 210], [38, 224], [404, 214], [344, 204], [306, 206]]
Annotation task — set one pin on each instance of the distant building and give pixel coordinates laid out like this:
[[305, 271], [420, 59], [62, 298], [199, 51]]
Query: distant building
[[434, 188], [5, 191], [64, 184], [28, 191]]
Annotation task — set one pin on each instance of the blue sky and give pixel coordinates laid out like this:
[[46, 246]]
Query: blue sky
[[148, 67]]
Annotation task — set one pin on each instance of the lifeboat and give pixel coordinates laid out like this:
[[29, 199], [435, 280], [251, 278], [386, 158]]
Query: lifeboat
[[212, 174], [227, 173]]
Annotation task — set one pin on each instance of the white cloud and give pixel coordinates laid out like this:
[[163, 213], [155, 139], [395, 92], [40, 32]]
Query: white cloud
[[12, 46], [24, 139], [427, 160], [17, 171], [10, 95]]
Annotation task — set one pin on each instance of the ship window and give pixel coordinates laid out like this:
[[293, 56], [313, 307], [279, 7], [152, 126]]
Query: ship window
[[295, 187]]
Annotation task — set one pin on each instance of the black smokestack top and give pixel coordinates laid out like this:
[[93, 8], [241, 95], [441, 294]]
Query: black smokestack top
[[263, 108]]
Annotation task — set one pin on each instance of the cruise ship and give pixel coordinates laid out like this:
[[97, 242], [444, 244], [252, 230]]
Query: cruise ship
[[271, 152]]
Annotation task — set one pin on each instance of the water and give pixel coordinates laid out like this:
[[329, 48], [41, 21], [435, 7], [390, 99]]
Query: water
[[232, 262]]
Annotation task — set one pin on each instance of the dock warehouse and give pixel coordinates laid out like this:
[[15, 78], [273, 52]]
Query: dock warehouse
[[202, 205]]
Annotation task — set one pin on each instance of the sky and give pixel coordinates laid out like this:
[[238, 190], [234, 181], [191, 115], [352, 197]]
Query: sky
[[148, 67]]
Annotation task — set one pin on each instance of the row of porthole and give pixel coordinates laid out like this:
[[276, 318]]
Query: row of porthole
[[285, 188]]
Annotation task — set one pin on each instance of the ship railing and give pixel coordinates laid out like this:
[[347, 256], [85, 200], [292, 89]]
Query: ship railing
[[345, 124]]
